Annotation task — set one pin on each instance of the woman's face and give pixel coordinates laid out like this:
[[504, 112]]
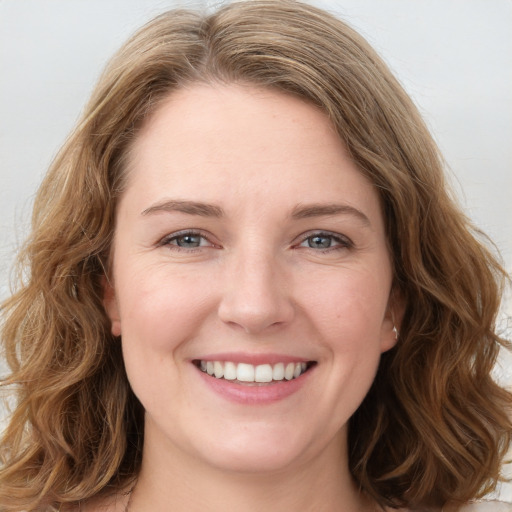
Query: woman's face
[[249, 245]]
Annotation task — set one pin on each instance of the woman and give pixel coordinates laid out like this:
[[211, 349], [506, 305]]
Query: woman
[[249, 288]]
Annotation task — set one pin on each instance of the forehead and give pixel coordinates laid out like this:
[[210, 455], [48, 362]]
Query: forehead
[[227, 142], [219, 114]]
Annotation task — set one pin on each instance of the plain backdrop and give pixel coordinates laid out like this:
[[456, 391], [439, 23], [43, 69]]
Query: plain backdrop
[[454, 57]]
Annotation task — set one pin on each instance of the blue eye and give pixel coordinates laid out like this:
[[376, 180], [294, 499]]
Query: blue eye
[[186, 240], [325, 241], [319, 241]]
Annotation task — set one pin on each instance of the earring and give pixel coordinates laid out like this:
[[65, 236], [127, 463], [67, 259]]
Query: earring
[[395, 330]]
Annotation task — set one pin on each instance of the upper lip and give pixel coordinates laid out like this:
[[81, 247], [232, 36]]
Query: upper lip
[[254, 359]]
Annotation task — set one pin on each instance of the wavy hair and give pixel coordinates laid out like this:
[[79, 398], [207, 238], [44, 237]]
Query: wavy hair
[[434, 428]]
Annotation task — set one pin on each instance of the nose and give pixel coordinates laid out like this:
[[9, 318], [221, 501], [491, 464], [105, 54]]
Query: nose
[[256, 293]]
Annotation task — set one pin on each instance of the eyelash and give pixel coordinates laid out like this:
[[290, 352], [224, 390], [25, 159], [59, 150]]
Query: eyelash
[[167, 240], [341, 241]]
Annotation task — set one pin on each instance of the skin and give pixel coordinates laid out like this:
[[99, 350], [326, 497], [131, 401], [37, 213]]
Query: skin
[[269, 275]]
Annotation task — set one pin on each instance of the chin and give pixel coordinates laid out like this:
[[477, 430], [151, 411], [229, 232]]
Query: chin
[[261, 450], [255, 461]]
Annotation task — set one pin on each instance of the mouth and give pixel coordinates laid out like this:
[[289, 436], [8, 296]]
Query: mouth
[[249, 374]]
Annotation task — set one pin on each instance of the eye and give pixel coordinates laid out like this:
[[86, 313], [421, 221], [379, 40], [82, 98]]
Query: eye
[[326, 241], [186, 240]]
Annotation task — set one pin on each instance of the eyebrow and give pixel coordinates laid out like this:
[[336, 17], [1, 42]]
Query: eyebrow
[[190, 207], [301, 211], [304, 211]]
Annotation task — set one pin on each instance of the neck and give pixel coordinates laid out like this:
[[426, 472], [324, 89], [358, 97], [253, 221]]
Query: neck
[[321, 485]]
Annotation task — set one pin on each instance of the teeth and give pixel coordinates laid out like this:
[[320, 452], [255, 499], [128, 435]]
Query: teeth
[[278, 371], [218, 370], [263, 373], [244, 372], [290, 370], [230, 371]]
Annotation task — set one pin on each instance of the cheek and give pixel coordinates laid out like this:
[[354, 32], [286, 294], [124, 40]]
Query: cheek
[[349, 320], [351, 306], [346, 316], [160, 314], [159, 309]]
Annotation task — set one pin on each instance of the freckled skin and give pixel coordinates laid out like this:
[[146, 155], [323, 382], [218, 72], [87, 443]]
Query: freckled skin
[[254, 280]]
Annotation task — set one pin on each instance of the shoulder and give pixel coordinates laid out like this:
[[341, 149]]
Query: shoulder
[[488, 506]]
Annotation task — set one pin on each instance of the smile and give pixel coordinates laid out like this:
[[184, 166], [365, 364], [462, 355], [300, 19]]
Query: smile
[[247, 373]]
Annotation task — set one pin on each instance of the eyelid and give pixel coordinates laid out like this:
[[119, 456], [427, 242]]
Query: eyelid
[[167, 239], [344, 241]]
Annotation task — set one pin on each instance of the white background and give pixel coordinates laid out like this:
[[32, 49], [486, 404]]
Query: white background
[[453, 56]]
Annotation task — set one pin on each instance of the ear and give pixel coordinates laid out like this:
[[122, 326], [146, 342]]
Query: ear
[[110, 305], [392, 323]]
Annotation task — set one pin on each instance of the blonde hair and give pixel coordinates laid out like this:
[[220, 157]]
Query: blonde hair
[[433, 429]]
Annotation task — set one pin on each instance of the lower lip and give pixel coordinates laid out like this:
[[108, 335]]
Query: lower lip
[[257, 394]]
